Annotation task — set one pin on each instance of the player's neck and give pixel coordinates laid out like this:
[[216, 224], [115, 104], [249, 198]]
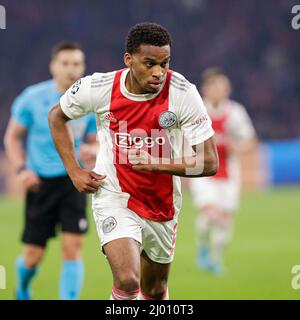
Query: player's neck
[[132, 85]]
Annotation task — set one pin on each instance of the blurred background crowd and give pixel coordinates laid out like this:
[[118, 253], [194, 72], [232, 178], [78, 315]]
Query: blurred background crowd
[[252, 40]]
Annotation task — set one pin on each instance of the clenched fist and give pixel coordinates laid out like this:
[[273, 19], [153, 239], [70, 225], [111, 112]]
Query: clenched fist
[[86, 181]]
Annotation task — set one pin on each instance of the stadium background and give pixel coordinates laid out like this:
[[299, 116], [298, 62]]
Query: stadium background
[[256, 45]]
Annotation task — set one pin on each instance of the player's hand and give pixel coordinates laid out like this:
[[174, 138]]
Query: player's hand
[[141, 160], [29, 180], [86, 181]]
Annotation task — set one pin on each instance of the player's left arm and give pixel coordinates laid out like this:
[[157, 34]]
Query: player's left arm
[[196, 127], [203, 163]]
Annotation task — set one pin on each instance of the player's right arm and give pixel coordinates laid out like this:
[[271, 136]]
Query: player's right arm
[[85, 181], [74, 104]]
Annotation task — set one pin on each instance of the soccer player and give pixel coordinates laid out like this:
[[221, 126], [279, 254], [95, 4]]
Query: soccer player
[[51, 198], [141, 112], [217, 197]]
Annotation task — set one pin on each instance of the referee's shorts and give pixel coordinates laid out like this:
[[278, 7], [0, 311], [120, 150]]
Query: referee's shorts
[[57, 204]]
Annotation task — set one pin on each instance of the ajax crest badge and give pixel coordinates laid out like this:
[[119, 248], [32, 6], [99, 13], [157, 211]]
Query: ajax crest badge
[[109, 224], [167, 119]]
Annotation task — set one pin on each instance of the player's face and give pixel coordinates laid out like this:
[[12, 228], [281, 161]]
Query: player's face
[[217, 88], [67, 67], [148, 68]]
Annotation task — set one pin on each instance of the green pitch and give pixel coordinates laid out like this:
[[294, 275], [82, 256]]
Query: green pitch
[[265, 248]]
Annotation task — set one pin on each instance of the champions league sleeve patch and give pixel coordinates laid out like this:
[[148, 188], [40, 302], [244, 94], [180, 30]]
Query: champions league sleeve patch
[[167, 119], [76, 86]]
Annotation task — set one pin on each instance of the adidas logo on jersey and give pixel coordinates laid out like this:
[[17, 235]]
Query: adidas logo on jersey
[[110, 117]]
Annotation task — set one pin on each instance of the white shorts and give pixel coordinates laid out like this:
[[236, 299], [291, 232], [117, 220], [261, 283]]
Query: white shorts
[[157, 239], [223, 194]]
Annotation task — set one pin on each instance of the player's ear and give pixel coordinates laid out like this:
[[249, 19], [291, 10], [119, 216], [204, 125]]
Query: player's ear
[[128, 59]]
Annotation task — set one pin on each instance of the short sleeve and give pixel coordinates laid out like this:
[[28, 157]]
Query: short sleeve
[[91, 127], [21, 110], [194, 120], [240, 124], [76, 102]]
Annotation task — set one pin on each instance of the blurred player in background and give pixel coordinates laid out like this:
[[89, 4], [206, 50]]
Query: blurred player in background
[[217, 197], [142, 111], [51, 198]]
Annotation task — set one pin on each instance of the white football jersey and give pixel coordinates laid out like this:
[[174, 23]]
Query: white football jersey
[[230, 122], [154, 122]]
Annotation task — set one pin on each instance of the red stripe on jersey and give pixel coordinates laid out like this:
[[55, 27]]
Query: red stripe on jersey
[[219, 126], [151, 193]]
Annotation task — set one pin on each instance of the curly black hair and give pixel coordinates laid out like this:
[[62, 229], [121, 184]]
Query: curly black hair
[[147, 33]]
